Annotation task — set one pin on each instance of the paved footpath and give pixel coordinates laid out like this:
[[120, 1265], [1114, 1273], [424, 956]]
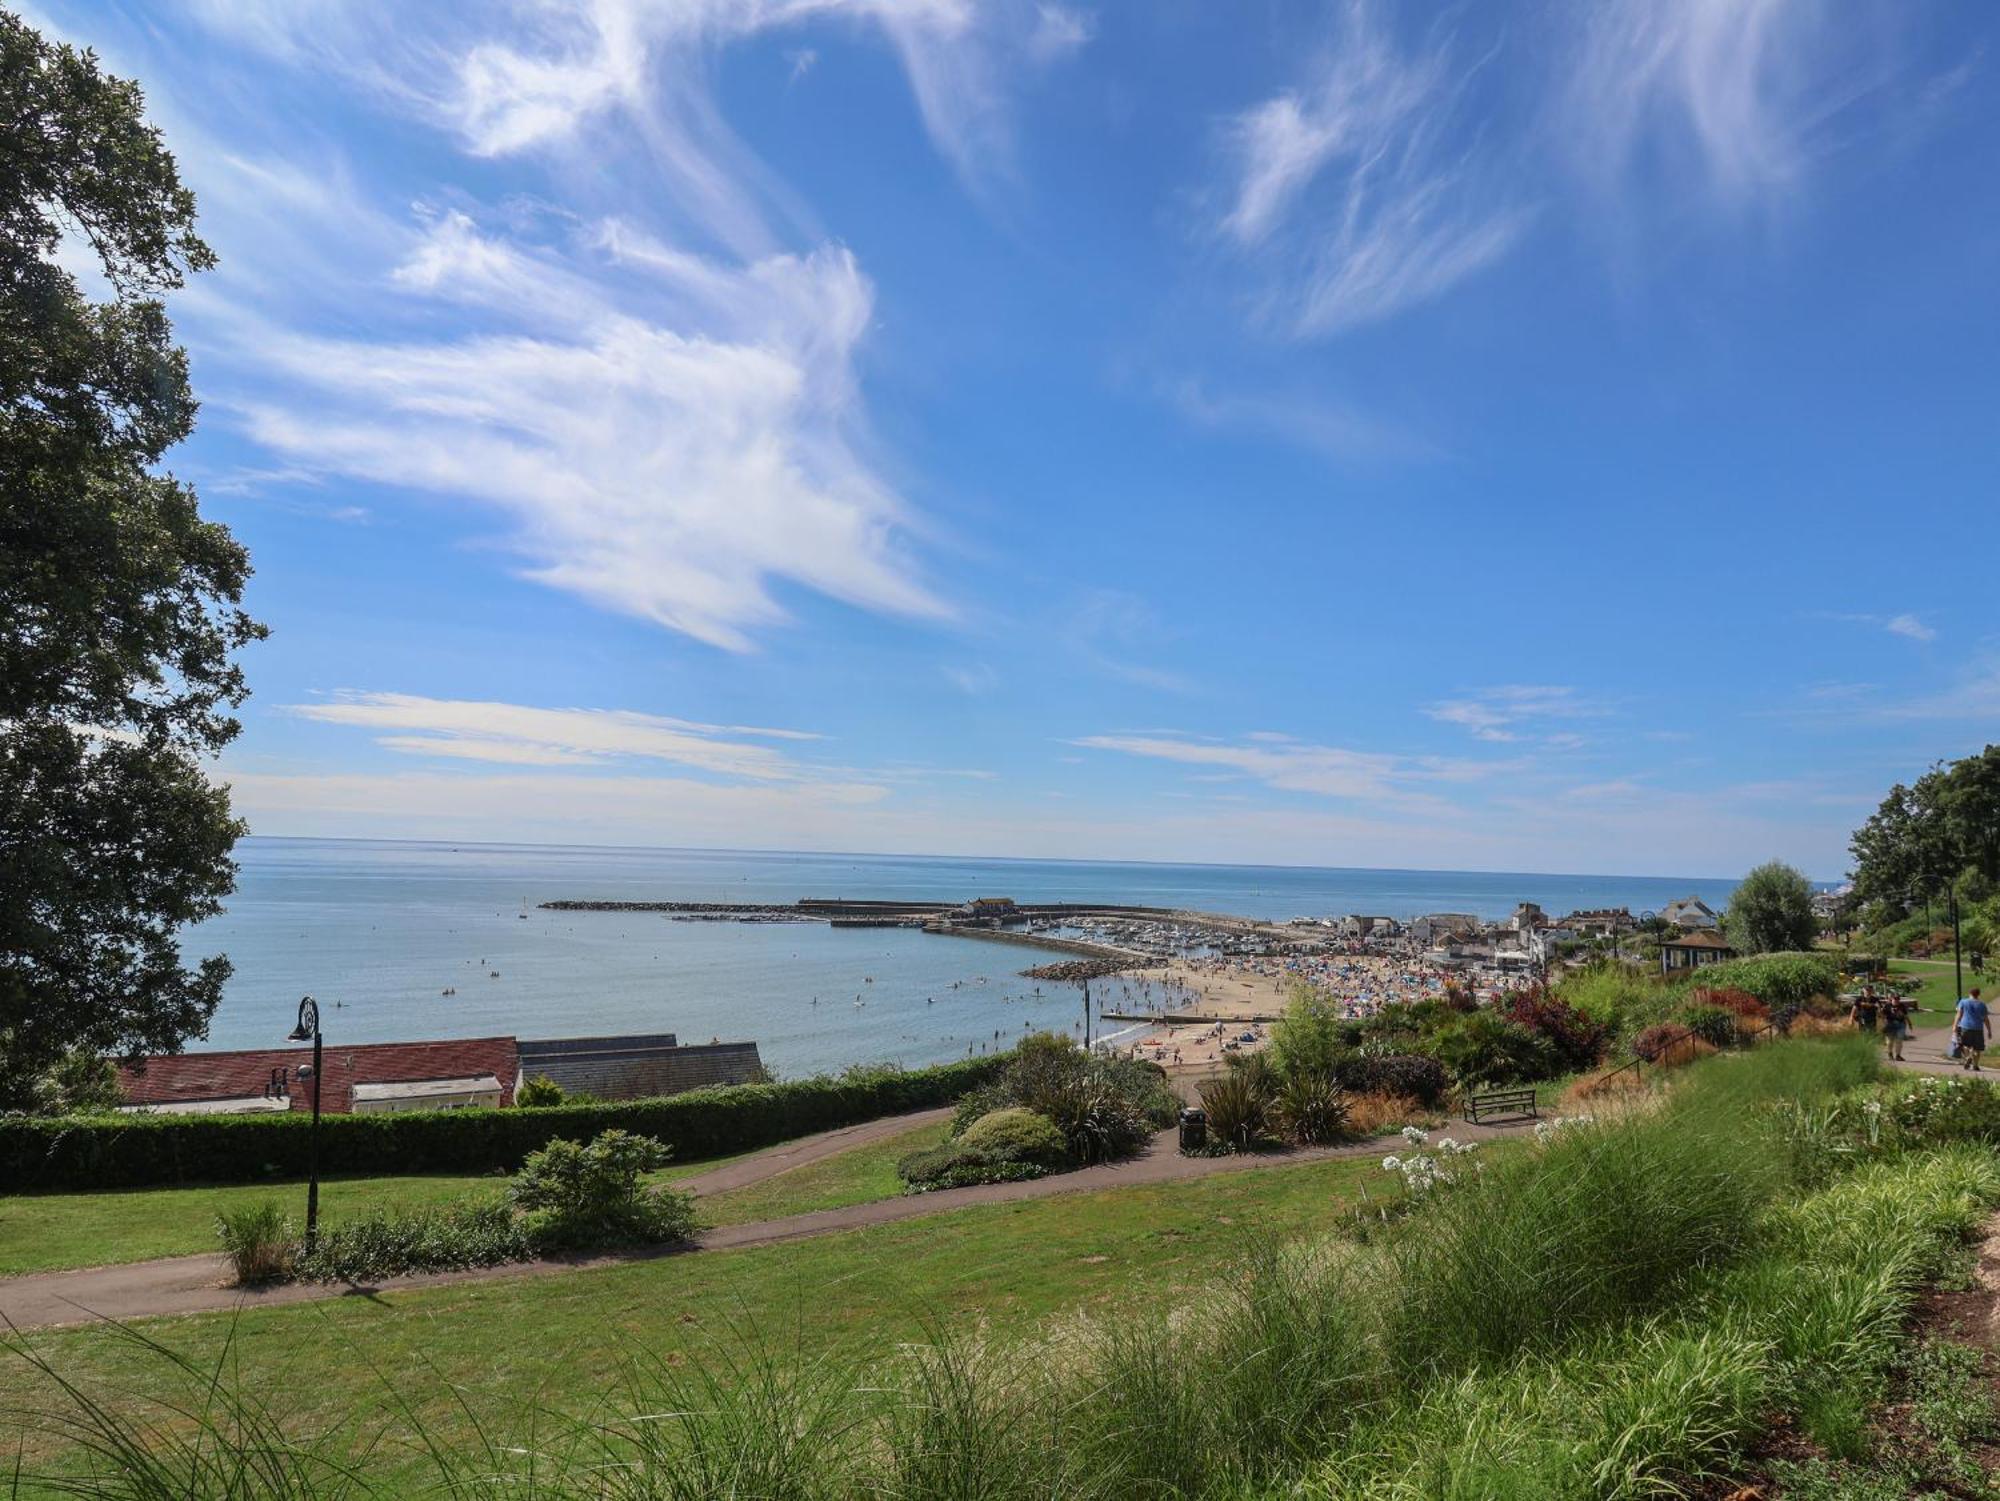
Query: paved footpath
[[199, 1284]]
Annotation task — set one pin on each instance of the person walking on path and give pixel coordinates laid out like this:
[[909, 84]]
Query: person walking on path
[[1864, 1010], [1896, 1024], [1974, 1027]]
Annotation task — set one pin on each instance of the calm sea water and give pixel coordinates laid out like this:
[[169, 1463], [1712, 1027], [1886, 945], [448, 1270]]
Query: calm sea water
[[379, 931]]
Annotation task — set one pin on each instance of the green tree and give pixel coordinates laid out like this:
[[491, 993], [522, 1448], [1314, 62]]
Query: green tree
[[1308, 1039], [1771, 911], [120, 607], [1941, 832]]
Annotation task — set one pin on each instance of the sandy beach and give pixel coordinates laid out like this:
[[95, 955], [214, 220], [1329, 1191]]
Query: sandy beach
[[1236, 999]]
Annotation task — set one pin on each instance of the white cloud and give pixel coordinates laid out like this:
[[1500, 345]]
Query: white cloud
[[1322, 424], [1976, 695], [1498, 714], [1112, 629], [972, 678], [1295, 766], [1370, 185], [1729, 90], [1910, 626], [518, 734], [507, 78], [1407, 217], [669, 464]]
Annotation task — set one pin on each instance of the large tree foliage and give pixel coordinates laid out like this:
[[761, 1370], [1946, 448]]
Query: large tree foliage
[[1771, 911], [1927, 837], [119, 605]]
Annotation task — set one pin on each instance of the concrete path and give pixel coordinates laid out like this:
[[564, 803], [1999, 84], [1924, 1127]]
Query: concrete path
[[199, 1284], [1924, 1054]]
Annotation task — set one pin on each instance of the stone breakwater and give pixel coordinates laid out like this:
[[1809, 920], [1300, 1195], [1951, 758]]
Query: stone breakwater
[[1076, 971]]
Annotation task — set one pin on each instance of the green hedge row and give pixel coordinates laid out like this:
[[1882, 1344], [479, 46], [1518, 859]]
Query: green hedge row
[[147, 1151]]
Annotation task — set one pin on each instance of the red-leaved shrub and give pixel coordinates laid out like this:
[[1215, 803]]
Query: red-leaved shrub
[[1579, 1040], [1741, 1002]]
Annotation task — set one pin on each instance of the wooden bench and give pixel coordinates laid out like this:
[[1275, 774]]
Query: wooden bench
[[1500, 1104]]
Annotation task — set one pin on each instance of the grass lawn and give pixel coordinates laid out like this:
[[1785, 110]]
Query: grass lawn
[[859, 1176], [46, 1232], [1939, 992], [854, 1294]]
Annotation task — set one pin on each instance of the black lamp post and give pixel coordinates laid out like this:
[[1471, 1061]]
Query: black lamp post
[[308, 1029]]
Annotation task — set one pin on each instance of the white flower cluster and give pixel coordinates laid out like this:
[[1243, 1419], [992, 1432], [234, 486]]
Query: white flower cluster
[[1545, 1131], [1427, 1168]]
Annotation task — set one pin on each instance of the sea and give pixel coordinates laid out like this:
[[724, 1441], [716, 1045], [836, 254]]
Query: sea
[[402, 941]]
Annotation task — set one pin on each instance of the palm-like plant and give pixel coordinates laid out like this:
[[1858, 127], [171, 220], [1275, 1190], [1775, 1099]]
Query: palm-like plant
[[1310, 1108]]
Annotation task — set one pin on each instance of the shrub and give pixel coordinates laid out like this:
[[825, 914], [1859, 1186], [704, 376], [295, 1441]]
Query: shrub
[[1486, 1049], [1312, 1034], [1577, 1039], [1711, 1024], [144, 1150], [431, 1238], [539, 1092], [1406, 1074], [1238, 1108], [1655, 1042], [1614, 994], [1937, 1111], [1309, 1109], [1019, 1135], [1105, 1107], [258, 1241], [593, 1195], [1372, 1114], [1741, 1002], [1776, 979], [956, 1165]]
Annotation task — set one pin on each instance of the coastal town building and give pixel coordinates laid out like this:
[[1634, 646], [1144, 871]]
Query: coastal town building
[[637, 1068], [381, 1078], [1691, 913], [1693, 950], [1442, 927], [1601, 922], [376, 1078]]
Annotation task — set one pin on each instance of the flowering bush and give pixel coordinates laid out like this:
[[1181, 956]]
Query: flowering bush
[[1935, 1111], [1547, 1131], [1426, 1169]]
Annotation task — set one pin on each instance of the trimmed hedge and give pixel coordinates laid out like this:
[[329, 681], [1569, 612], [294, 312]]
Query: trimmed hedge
[[150, 1151]]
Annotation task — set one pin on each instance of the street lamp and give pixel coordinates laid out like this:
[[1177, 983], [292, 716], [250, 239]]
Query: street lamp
[[308, 1030]]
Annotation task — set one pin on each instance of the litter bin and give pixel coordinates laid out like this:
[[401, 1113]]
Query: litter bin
[[1194, 1129]]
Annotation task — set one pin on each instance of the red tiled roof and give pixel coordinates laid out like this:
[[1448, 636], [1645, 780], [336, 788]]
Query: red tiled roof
[[172, 1078]]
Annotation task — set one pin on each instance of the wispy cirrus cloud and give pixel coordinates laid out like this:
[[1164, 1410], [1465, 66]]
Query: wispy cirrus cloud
[[1731, 96], [665, 410], [1511, 711], [1909, 626], [523, 735], [1369, 185], [1406, 214], [512, 77], [669, 435], [1283, 764]]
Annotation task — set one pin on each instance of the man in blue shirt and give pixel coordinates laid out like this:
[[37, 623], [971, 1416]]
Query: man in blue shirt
[[1975, 1029]]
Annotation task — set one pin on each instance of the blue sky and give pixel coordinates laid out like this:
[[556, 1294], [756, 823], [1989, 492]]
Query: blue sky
[[1536, 436]]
